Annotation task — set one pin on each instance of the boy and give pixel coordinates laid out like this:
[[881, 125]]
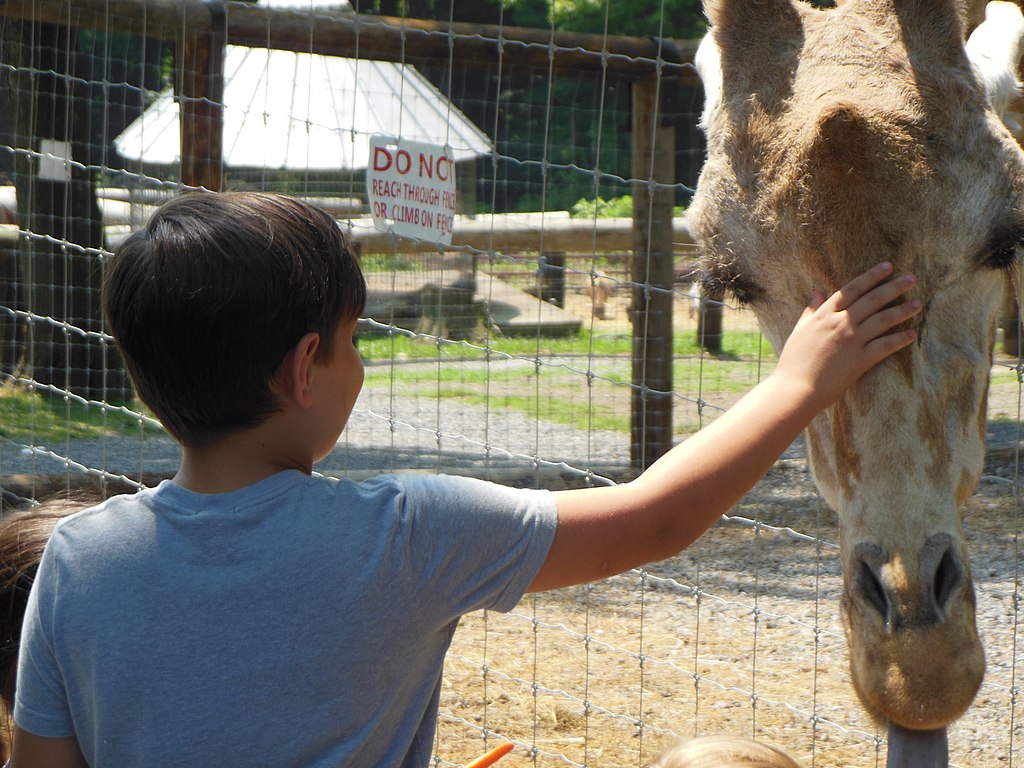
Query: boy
[[249, 612]]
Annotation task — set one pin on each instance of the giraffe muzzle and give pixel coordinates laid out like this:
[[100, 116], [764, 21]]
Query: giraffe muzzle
[[885, 585]]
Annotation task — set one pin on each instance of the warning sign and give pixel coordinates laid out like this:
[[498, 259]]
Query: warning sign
[[411, 186]]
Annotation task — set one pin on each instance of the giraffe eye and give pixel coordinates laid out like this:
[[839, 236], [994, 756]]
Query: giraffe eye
[[1005, 257]]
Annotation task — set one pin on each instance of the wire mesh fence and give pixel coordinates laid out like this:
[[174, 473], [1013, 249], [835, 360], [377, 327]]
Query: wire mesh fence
[[555, 342]]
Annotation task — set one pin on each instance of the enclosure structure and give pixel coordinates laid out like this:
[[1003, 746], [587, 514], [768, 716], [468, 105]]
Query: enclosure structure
[[470, 368], [652, 70]]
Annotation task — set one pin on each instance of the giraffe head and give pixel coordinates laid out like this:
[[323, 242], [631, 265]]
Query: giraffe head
[[837, 139]]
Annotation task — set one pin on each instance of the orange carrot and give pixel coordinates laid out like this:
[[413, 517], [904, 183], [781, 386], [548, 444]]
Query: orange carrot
[[491, 757]]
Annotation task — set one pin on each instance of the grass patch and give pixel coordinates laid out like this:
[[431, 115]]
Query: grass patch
[[32, 417], [741, 345], [559, 396], [575, 413], [560, 393], [385, 262], [1003, 376]]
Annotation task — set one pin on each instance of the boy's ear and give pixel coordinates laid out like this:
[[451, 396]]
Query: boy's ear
[[294, 378]]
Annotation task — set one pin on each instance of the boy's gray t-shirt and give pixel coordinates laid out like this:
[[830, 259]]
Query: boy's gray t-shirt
[[299, 621]]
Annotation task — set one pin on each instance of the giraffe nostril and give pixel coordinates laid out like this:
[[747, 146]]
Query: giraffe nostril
[[949, 577], [868, 585], [870, 589], [921, 597]]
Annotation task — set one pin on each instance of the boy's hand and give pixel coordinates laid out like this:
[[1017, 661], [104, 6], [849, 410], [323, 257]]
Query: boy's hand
[[602, 531], [839, 338]]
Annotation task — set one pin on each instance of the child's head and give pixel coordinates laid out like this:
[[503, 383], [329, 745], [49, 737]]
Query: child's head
[[23, 536], [724, 752], [210, 296]]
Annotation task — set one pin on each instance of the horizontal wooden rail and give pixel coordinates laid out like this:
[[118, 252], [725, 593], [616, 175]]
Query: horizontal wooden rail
[[502, 234], [515, 233]]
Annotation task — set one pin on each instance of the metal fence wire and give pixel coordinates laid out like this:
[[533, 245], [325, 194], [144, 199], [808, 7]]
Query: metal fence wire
[[556, 342]]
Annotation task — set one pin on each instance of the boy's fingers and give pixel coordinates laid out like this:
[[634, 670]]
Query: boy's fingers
[[884, 321], [880, 296], [861, 285], [883, 346]]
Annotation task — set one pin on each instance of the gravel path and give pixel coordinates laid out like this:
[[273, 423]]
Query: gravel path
[[385, 433]]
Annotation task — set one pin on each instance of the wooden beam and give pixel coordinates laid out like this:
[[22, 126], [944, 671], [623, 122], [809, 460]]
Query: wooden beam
[[156, 18], [524, 233], [199, 87]]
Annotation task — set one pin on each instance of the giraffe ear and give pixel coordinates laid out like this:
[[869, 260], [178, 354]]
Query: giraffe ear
[[758, 42], [709, 67], [759, 17], [934, 26]]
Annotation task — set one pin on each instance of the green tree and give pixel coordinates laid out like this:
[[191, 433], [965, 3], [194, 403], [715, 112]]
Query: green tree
[[666, 18], [678, 19]]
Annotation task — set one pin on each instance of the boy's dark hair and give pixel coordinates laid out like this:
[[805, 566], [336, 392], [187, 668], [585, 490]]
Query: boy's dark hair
[[207, 299]]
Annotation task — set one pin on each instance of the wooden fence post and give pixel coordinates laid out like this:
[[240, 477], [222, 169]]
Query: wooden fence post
[[709, 322], [551, 276], [199, 87], [1011, 320], [653, 252]]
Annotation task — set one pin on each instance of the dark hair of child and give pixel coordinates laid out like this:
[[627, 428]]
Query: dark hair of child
[[23, 536], [208, 298]]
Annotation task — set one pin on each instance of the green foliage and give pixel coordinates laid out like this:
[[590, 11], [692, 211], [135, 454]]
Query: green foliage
[[679, 19], [385, 262], [617, 207], [663, 18], [383, 349]]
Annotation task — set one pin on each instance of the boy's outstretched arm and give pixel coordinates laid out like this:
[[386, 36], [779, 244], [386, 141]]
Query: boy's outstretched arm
[[31, 751], [604, 531]]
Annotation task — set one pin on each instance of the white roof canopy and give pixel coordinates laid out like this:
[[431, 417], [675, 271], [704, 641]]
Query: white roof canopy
[[291, 110]]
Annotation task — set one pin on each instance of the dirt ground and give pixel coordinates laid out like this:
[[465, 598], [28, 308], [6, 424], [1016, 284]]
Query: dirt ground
[[740, 634]]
